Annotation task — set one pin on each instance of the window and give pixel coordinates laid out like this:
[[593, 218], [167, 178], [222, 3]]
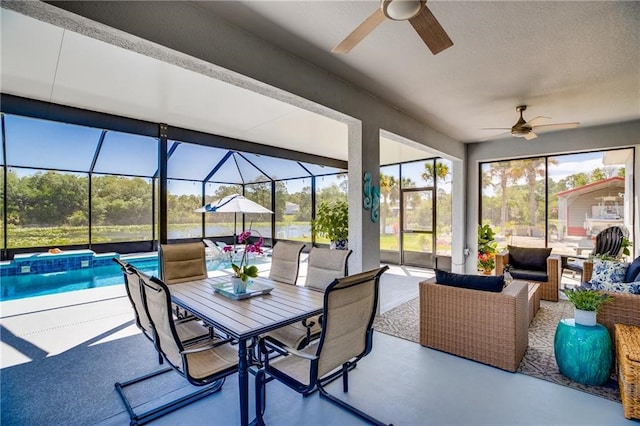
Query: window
[[46, 208], [513, 200], [121, 209], [558, 201], [293, 209], [331, 188]]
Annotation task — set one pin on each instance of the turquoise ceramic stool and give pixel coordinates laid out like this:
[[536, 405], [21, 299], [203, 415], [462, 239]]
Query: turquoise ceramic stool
[[583, 353]]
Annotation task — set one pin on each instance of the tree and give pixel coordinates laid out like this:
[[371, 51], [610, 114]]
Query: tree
[[441, 171], [388, 195], [598, 174], [505, 172]]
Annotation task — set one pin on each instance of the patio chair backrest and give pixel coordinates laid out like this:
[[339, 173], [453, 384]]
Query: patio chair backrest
[[157, 303], [349, 309], [609, 241], [285, 262], [324, 266], [132, 286], [182, 262]]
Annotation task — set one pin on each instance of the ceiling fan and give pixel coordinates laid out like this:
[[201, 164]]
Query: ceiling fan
[[414, 11], [525, 129]]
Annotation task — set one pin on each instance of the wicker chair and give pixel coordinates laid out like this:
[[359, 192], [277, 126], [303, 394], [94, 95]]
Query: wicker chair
[[625, 308], [347, 336], [487, 327], [549, 289]]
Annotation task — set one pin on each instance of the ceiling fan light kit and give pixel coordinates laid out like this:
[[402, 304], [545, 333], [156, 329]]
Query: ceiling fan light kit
[[414, 11], [402, 10], [526, 129]]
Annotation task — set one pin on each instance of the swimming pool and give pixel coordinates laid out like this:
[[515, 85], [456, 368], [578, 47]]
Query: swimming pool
[[29, 285]]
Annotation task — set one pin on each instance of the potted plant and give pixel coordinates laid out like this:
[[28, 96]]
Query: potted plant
[[625, 248], [486, 248], [332, 222], [242, 271], [586, 304]]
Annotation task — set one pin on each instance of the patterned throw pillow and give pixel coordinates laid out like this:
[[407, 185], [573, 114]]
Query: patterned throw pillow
[[632, 288], [608, 272]]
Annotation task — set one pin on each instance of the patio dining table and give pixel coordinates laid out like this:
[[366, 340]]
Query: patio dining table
[[245, 319]]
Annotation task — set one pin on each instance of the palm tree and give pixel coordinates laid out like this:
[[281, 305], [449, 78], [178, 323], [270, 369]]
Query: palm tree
[[388, 191], [441, 171], [505, 171]]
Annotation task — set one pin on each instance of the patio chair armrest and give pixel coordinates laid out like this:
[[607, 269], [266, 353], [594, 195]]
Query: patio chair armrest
[[587, 270], [199, 349], [286, 350]]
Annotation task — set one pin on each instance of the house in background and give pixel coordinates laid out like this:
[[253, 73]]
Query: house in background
[[586, 210]]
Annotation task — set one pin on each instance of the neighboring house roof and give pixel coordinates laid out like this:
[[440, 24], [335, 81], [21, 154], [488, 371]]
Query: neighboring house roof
[[612, 182]]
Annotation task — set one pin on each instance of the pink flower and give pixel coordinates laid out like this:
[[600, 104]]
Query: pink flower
[[244, 237], [227, 249]]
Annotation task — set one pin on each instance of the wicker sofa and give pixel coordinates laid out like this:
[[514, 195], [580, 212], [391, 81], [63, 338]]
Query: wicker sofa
[[625, 308], [487, 327]]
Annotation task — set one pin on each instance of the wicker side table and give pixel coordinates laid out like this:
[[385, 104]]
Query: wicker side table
[[628, 356]]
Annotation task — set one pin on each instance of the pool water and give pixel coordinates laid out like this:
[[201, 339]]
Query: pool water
[[29, 285]]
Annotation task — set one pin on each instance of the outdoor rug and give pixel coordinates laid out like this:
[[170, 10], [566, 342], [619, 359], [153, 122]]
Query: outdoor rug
[[539, 361]]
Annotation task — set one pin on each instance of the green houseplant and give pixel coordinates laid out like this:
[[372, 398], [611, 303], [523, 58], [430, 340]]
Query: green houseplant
[[626, 247], [486, 248], [586, 303], [332, 222]]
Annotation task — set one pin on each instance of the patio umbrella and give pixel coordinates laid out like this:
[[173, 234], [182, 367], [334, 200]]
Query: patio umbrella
[[233, 204]]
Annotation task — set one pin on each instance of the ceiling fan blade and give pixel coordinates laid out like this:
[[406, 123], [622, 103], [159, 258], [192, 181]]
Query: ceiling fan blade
[[538, 119], [557, 126], [360, 32], [530, 136], [430, 31]]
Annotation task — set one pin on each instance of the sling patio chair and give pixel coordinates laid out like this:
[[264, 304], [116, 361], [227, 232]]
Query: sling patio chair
[[346, 337], [189, 331], [182, 262], [324, 266], [205, 364], [285, 262]]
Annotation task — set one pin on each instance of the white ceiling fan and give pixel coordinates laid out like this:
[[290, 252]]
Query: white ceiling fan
[[414, 11], [527, 129]]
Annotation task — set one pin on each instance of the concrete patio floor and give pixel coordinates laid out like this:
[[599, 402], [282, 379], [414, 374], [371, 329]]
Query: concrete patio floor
[[61, 355]]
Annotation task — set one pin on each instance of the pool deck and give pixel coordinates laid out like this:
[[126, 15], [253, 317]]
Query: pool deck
[[49, 325]]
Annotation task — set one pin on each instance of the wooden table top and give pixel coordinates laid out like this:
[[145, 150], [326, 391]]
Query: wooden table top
[[249, 317]]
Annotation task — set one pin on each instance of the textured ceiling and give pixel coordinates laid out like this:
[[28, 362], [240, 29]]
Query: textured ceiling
[[571, 61]]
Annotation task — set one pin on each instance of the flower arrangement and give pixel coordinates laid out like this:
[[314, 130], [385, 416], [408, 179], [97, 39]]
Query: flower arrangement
[[242, 270], [486, 248], [486, 261]]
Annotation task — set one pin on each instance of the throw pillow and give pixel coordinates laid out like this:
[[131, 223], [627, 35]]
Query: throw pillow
[[473, 282], [632, 288], [633, 271], [608, 271], [531, 258]]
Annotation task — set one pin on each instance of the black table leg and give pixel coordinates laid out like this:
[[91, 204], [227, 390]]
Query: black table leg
[[243, 382]]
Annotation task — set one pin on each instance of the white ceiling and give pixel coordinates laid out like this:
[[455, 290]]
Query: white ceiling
[[571, 61], [568, 60]]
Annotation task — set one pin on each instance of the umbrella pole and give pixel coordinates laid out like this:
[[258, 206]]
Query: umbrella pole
[[234, 233]]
